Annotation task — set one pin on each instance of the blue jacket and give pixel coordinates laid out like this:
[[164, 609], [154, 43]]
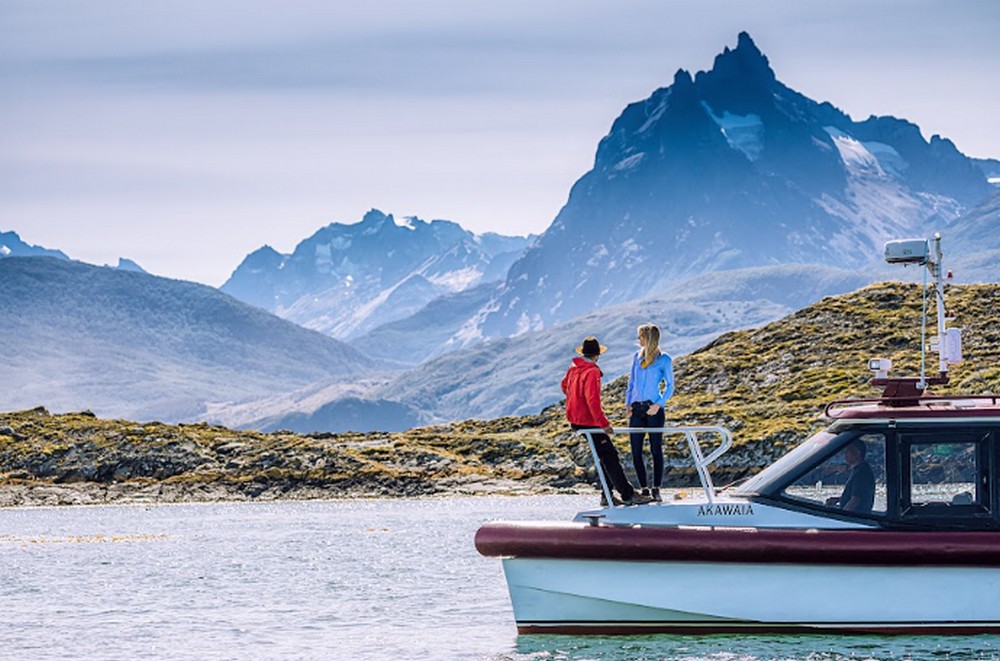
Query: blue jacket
[[644, 383]]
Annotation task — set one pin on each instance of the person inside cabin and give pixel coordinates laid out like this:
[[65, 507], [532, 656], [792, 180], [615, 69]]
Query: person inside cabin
[[859, 492], [644, 400], [582, 387]]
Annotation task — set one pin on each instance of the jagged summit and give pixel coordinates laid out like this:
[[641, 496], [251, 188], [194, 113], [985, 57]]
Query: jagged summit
[[349, 277], [743, 62], [126, 264], [682, 79], [11, 245], [731, 169], [375, 216]]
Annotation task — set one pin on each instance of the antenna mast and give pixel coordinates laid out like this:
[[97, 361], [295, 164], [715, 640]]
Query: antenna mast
[[948, 342]]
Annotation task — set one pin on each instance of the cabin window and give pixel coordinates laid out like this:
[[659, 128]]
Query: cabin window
[[945, 476], [851, 480]]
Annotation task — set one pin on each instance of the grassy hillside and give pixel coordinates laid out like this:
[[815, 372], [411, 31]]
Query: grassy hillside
[[135, 345], [767, 385]]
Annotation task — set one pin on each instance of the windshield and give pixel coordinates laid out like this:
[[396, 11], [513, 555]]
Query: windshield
[[802, 454]]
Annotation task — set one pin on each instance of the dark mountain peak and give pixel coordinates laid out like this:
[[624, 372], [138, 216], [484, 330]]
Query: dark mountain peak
[[11, 245], [126, 264], [744, 62], [888, 127], [940, 142], [734, 170], [745, 41], [263, 257], [376, 217], [934, 166]]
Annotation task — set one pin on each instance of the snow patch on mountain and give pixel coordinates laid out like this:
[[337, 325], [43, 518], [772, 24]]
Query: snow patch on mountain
[[600, 252], [661, 99], [457, 280], [744, 133], [890, 159], [854, 153], [629, 163], [527, 323]]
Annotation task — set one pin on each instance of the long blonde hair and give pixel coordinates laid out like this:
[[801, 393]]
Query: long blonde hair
[[650, 334]]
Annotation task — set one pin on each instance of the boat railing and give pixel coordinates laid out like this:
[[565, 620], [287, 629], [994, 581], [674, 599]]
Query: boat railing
[[701, 462]]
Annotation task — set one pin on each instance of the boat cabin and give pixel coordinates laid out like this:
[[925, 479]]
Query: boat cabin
[[933, 463]]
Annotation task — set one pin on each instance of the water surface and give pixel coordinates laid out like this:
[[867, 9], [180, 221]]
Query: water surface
[[362, 579]]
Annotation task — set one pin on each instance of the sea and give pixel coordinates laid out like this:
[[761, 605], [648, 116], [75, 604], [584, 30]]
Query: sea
[[347, 579]]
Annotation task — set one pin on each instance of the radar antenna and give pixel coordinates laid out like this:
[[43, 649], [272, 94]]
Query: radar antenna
[[948, 343]]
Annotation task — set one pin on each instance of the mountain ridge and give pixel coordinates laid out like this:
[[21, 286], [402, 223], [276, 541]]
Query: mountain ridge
[[730, 169], [346, 279]]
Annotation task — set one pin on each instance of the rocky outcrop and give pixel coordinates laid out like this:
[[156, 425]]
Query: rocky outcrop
[[77, 458]]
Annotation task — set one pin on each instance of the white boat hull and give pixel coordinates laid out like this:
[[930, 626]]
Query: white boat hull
[[613, 596]]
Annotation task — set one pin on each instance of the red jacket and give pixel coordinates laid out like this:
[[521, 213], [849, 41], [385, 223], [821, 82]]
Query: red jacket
[[582, 386]]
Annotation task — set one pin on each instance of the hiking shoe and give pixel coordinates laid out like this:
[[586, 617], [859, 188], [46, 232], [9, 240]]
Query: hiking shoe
[[614, 499], [645, 492], [656, 495], [638, 499]]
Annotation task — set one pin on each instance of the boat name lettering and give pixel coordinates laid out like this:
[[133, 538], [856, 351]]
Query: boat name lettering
[[725, 510]]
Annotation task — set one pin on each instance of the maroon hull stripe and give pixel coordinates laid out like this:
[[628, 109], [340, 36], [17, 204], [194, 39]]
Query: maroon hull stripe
[[842, 547]]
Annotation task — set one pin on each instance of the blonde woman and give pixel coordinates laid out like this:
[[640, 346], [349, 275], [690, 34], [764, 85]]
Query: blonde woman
[[650, 385]]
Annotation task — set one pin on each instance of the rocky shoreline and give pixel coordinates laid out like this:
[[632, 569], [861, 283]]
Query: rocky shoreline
[[125, 493], [79, 459]]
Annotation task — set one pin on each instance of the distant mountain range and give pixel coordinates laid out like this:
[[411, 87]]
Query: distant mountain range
[[520, 375], [11, 245], [129, 344], [731, 169], [347, 279], [723, 201]]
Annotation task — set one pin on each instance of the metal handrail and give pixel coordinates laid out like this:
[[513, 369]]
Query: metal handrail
[[701, 462]]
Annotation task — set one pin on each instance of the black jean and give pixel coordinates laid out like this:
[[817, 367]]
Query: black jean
[[610, 463], [639, 418]]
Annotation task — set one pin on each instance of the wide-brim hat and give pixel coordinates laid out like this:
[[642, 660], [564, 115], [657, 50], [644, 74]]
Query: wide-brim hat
[[591, 347]]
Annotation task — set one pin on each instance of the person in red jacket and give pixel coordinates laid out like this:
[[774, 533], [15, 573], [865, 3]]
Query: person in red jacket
[[582, 387]]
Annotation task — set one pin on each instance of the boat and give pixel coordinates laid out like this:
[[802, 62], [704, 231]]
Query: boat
[[887, 521]]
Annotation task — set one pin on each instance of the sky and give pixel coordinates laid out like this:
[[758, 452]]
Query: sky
[[184, 134]]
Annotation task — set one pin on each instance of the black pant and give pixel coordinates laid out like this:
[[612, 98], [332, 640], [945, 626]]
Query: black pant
[[610, 464], [639, 418]]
